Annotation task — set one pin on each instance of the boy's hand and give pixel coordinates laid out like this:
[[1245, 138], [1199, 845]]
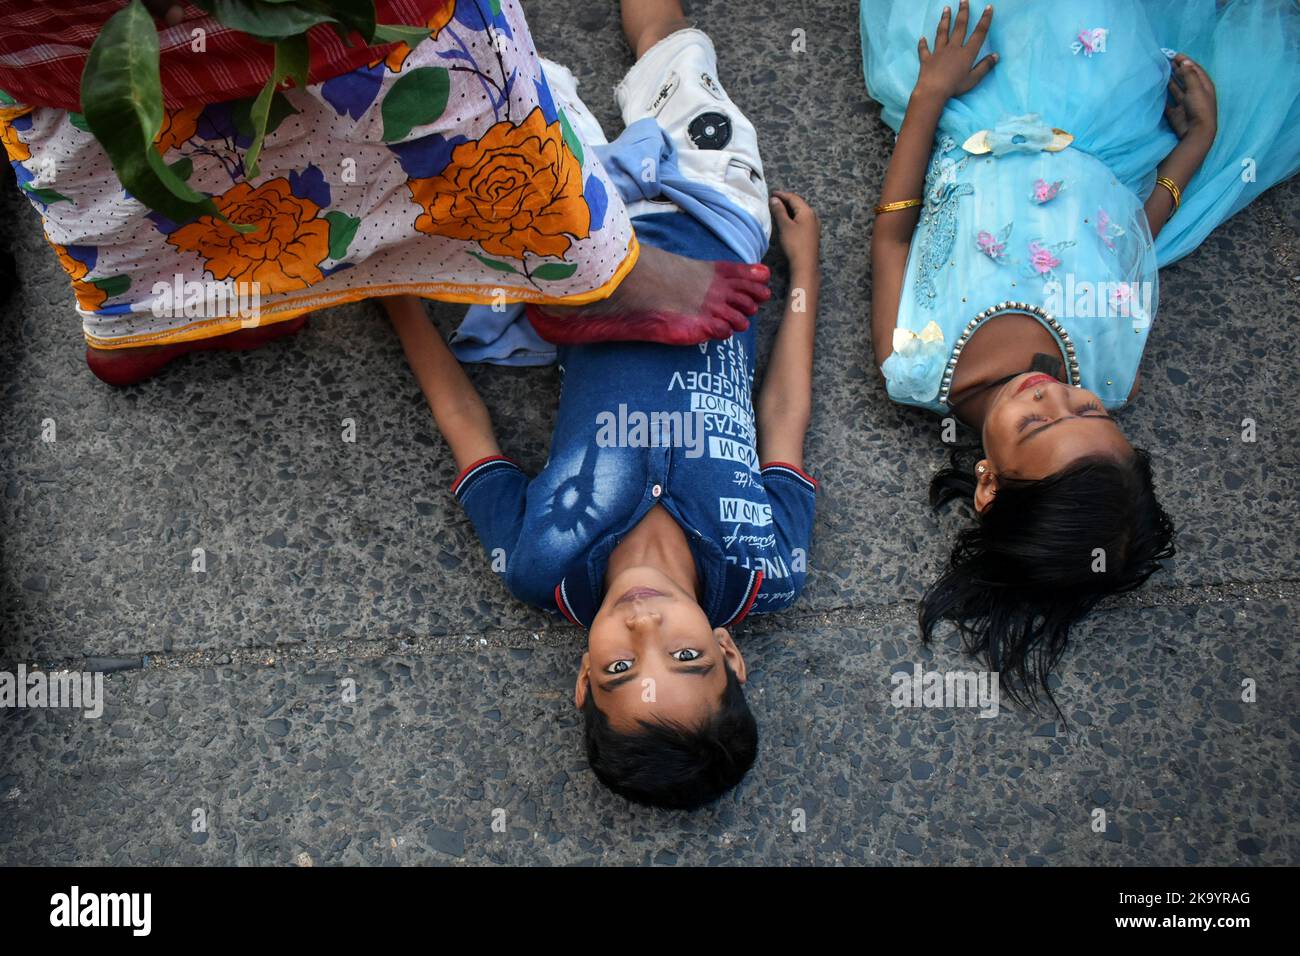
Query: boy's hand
[[799, 228], [1193, 109], [950, 69]]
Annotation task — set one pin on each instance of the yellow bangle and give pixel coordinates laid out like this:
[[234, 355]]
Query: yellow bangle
[[1174, 191], [895, 206]]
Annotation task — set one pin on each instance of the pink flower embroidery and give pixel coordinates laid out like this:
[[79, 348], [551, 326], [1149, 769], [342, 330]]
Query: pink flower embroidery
[[1090, 41], [1045, 192], [994, 244], [1107, 231], [989, 245], [1041, 259]]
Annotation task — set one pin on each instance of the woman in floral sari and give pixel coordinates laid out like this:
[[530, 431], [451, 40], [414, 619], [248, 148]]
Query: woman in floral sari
[[444, 171]]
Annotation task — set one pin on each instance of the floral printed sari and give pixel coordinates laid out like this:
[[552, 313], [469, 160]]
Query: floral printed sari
[[444, 170]]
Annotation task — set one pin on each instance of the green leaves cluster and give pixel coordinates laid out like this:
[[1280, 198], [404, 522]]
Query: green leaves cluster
[[121, 88]]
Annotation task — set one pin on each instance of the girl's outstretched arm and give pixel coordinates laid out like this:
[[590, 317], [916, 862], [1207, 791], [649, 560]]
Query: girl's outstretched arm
[[946, 71]]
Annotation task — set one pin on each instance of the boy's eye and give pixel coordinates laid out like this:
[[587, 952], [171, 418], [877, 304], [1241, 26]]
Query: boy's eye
[[686, 654], [618, 667]]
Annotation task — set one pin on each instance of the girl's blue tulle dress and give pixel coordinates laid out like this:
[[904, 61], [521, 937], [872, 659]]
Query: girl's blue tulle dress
[[1061, 235]]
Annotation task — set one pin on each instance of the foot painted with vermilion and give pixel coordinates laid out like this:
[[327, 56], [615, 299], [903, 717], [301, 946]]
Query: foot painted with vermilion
[[128, 366], [666, 298]]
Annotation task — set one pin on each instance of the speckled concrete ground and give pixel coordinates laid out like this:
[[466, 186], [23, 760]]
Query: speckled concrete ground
[[330, 562]]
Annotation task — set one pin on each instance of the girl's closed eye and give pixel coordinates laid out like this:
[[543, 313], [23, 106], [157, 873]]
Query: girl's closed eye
[[1091, 407], [1029, 420]]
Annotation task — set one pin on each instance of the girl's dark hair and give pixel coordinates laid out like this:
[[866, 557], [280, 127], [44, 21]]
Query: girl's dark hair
[[1040, 557]]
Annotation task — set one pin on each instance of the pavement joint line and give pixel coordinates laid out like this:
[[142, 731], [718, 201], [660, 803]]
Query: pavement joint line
[[518, 638]]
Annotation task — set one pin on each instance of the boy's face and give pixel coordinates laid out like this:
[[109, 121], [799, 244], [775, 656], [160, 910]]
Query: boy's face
[[652, 656]]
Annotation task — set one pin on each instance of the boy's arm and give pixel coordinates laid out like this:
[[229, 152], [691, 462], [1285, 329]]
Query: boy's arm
[[457, 409], [949, 70], [784, 406]]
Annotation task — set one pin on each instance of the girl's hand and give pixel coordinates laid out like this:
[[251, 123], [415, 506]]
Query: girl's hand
[[1193, 109], [799, 228], [950, 69]]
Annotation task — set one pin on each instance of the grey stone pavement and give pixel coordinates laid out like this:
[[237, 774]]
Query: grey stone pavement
[[330, 562]]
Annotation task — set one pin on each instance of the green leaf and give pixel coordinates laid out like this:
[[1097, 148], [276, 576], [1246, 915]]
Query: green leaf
[[552, 271], [398, 32], [494, 264], [79, 121], [418, 97], [496, 8], [7, 100], [47, 196], [570, 138], [114, 285], [290, 60], [172, 180], [281, 109], [268, 19], [355, 15], [122, 105], [342, 229], [183, 168], [297, 59]]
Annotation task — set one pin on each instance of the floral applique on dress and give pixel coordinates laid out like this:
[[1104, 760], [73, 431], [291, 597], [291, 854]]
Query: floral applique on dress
[[994, 245], [1126, 300], [1108, 230], [937, 229], [915, 366], [1043, 258], [1090, 41], [1044, 192]]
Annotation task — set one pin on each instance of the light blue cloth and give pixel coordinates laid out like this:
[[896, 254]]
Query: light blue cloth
[[1081, 208], [500, 338], [642, 164]]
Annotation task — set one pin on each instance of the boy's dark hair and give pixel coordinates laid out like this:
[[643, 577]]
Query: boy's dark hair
[[1028, 570], [672, 766]]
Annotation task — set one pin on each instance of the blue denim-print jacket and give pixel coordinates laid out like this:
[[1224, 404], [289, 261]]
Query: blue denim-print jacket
[[640, 424]]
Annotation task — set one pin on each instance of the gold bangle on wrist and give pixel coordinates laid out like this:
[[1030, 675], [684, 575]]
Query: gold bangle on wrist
[[895, 206], [1175, 193]]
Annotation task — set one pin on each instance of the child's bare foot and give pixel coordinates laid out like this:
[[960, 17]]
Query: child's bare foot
[[665, 298], [128, 366]]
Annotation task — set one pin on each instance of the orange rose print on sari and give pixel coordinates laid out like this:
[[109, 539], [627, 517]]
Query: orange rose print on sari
[[177, 127], [436, 21], [283, 254], [15, 147], [515, 191], [90, 295]]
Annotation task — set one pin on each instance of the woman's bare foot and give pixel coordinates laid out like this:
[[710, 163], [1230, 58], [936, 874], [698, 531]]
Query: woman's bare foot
[[665, 298], [128, 366]]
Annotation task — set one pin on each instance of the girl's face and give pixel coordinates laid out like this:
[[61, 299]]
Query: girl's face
[[1037, 426]]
